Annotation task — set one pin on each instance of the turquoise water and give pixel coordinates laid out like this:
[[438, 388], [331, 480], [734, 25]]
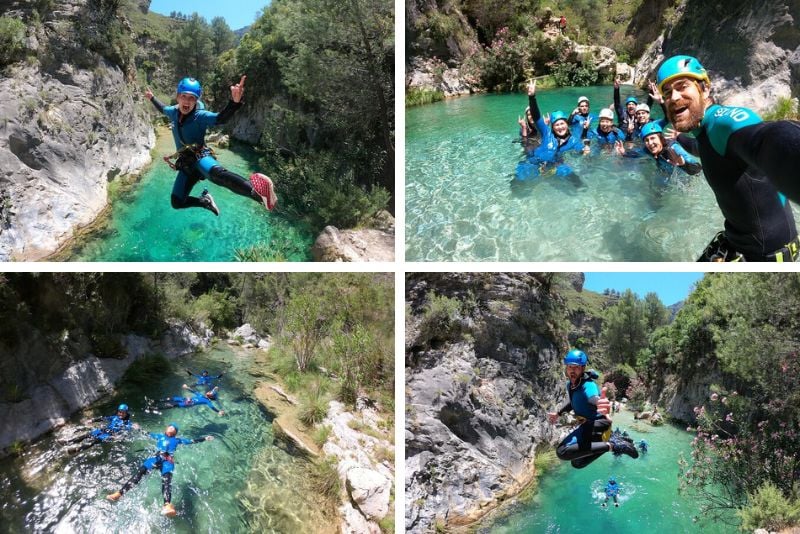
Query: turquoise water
[[215, 485], [461, 206], [569, 500], [144, 227]]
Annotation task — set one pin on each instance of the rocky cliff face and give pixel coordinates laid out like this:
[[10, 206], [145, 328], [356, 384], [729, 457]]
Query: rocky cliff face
[[477, 391], [70, 122], [751, 48]]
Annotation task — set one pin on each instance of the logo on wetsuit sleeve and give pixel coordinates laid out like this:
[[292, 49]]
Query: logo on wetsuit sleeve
[[736, 114]]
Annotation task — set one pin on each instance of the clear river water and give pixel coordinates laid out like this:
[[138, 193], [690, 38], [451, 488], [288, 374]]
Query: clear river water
[[242, 481], [462, 204], [143, 226]]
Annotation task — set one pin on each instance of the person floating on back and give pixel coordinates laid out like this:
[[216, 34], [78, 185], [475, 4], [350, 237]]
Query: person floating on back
[[204, 379], [163, 460], [593, 436], [751, 165], [197, 399], [195, 161], [114, 427], [612, 491], [643, 446]]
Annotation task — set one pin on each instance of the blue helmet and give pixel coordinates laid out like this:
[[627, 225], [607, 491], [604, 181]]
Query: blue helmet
[[122, 408], [651, 128], [175, 425], [576, 357], [557, 116], [631, 99], [190, 86], [678, 67]]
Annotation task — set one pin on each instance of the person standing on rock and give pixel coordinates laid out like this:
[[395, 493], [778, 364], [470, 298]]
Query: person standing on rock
[[164, 460], [593, 436], [751, 165], [562, 25], [195, 161]]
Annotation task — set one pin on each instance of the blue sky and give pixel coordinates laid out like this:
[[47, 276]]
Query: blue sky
[[237, 14], [670, 287]]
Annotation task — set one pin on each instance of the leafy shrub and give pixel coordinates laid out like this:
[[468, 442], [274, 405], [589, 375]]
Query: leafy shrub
[[418, 97], [769, 509], [439, 317], [785, 108], [574, 74], [314, 407], [12, 40], [637, 394], [321, 434], [216, 308]]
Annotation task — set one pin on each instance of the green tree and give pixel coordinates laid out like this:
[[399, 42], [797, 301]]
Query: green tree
[[192, 49], [625, 329], [655, 313], [12, 40], [222, 36]]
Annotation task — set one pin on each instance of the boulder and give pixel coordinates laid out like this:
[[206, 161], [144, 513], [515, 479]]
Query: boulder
[[370, 491], [353, 245], [246, 333]]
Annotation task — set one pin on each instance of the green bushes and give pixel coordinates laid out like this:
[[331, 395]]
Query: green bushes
[[439, 318], [575, 74], [785, 108], [418, 97], [326, 480], [767, 508], [12, 40], [314, 407]]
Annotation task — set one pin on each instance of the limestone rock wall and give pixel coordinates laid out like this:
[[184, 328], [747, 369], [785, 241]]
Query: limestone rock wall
[[71, 121], [477, 393]]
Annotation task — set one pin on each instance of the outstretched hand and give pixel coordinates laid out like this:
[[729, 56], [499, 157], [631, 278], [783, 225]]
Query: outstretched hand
[[237, 91], [148, 94], [616, 82], [603, 404], [209, 438], [654, 92], [674, 158], [619, 148], [532, 88]]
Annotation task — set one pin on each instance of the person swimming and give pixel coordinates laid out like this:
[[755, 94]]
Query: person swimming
[[114, 427]]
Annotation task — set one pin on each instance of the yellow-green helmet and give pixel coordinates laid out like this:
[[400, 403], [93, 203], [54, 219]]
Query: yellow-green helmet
[[679, 67]]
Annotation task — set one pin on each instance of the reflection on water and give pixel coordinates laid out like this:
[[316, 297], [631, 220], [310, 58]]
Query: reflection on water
[[48, 490], [462, 205]]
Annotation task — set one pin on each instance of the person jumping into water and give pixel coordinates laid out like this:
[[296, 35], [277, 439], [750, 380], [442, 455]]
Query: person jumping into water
[[163, 460], [588, 442], [749, 164], [115, 425], [196, 161]]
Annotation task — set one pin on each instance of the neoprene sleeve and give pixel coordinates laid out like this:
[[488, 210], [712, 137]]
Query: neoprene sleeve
[[773, 148]]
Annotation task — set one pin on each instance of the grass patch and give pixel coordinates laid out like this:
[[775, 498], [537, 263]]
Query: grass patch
[[359, 426], [420, 97], [320, 435], [784, 109], [325, 479], [314, 406], [387, 523]]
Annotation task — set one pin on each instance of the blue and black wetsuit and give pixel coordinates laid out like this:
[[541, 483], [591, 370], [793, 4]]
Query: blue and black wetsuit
[[162, 460], [198, 164], [205, 379], [664, 165], [114, 426], [576, 122], [551, 150], [599, 138], [197, 399], [584, 444], [612, 491], [748, 164]]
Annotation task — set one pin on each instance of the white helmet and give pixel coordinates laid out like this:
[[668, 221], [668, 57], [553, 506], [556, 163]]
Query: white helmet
[[642, 107], [582, 99], [606, 113]]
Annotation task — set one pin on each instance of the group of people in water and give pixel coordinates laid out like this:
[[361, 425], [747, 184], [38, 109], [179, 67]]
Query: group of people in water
[[593, 436], [117, 426], [748, 163]]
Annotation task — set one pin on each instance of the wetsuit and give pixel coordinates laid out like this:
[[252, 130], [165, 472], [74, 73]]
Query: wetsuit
[[747, 162], [643, 446], [115, 424], [199, 164], [584, 444], [604, 139], [162, 460], [576, 122], [665, 166], [550, 151], [207, 380], [622, 112], [612, 490], [197, 399]]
